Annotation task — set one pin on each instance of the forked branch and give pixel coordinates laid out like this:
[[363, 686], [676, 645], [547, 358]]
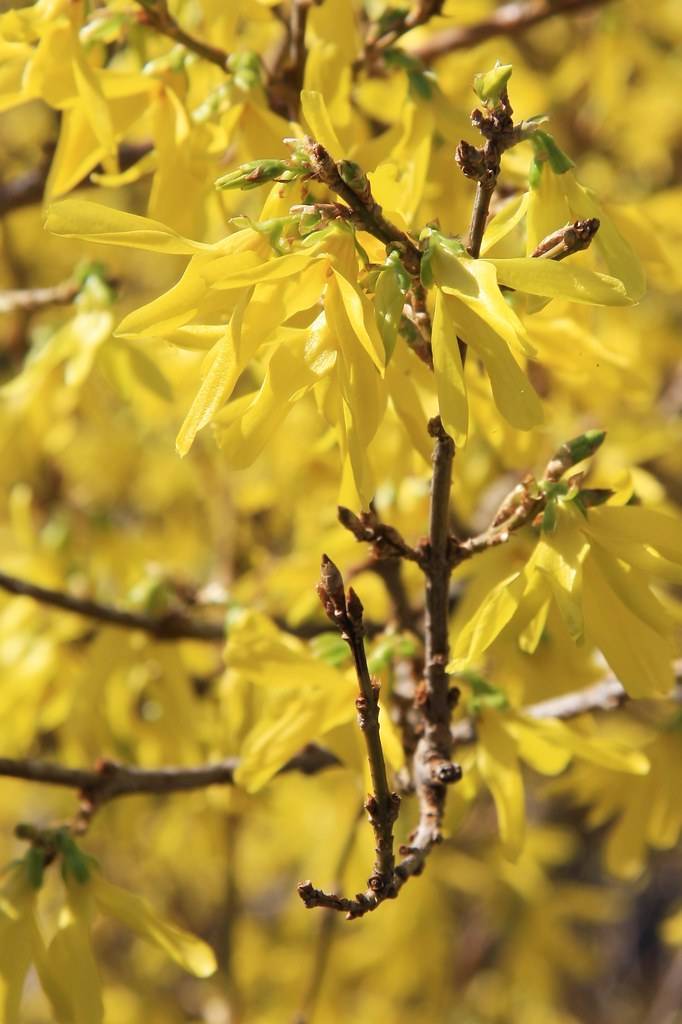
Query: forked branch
[[382, 805]]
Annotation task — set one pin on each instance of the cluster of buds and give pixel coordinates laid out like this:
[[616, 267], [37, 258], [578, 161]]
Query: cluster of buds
[[536, 501]]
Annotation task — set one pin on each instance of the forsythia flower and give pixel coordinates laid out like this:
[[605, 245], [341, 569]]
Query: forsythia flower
[[597, 567], [20, 940], [67, 967]]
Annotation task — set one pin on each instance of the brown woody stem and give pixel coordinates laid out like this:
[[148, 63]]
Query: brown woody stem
[[364, 206], [345, 612], [172, 626]]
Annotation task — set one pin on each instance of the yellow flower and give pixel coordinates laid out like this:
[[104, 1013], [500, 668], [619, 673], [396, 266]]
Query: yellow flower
[[20, 941], [597, 568]]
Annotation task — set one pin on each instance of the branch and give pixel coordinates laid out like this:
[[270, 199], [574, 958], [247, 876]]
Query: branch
[[155, 13], [394, 24], [110, 780], [606, 695], [349, 181], [483, 165], [171, 626], [508, 20], [382, 805], [529, 498], [28, 300], [433, 769], [28, 188]]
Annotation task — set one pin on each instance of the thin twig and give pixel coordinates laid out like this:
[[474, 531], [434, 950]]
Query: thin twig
[[483, 165], [508, 20], [382, 805], [171, 626]]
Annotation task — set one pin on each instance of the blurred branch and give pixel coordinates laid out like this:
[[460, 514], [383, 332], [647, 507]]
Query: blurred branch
[[28, 300], [286, 71], [384, 33], [508, 20], [28, 188], [606, 695], [110, 779], [156, 15], [171, 626]]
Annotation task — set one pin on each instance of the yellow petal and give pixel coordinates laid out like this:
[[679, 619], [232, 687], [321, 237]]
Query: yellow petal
[[514, 395], [496, 758], [316, 116], [94, 222], [561, 281], [639, 657], [447, 365], [137, 914], [495, 612], [216, 387]]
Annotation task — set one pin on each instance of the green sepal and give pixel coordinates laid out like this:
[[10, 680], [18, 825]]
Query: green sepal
[[34, 862], [548, 524], [547, 149], [74, 861]]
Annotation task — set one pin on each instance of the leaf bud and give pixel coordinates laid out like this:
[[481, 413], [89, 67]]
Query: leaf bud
[[491, 85]]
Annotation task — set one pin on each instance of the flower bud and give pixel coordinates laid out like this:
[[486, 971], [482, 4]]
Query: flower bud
[[255, 173]]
